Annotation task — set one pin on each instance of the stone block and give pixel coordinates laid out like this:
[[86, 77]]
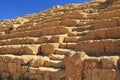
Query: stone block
[[12, 68], [57, 39], [70, 22], [43, 39], [38, 62], [29, 50], [105, 23], [47, 49], [77, 14], [92, 63], [113, 33], [97, 34], [54, 31], [109, 62], [109, 14], [91, 47], [35, 33], [9, 49], [112, 47]]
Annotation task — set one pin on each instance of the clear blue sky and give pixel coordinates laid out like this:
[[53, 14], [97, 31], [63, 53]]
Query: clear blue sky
[[13, 8]]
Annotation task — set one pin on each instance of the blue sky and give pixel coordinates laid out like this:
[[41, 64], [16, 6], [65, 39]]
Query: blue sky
[[13, 8]]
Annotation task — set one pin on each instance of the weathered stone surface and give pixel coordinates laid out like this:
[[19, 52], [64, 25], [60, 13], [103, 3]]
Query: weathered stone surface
[[109, 63], [74, 66], [70, 22], [30, 50], [47, 49], [112, 46], [91, 47], [38, 62], [52, 45]]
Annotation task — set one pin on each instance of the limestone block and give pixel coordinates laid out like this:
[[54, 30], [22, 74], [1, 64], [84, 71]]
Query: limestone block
[[91, 47], [57, 38], [105, 23], [74, 66], [2, 66], [77, 14], [8, 58], [113, 7], [43, 39], [108, 74], [12, 68], [24, 69], [71, 39], [29, 50], [100, 74], [112, 47], [29, 40], [21, 34], [66, 15], [63, 45], [47, 49], [5, 36], [71, 45], [54, 31], [33, 70], [47, 31], [92, 63], [35, 33], [38, 62], [16, 41], [96, 34], [113, 32], [53, 63], [69, 22], [62, 30], [118, 64], [1, 42], [109, 14], [9, 49], [109, 62], [54, 23]]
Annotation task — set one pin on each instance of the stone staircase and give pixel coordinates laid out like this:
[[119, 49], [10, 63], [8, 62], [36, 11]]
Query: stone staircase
[[37, 47]]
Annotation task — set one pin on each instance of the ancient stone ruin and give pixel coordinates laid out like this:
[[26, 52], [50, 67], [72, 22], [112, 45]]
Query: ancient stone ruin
[[73, 42]]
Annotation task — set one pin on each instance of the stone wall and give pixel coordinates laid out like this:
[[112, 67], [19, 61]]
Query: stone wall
[[71, 42]]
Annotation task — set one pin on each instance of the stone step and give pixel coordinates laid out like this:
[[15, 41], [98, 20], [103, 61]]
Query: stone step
[[83, 33], [108, 33], [100, 47], [56, 57], [106, 62], [68, 45], [37, 33], [43, 73], [109, 14], [116, 3], [54, 63], [52, 72], [3, 29], [71, 39], [34, 40], [106, 23], [82, 28], [64, 51], [42, 27], [20, 49], [112, 7]]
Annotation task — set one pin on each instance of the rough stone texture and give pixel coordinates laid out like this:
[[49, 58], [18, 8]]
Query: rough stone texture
[[71, 42], [47, 49]]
